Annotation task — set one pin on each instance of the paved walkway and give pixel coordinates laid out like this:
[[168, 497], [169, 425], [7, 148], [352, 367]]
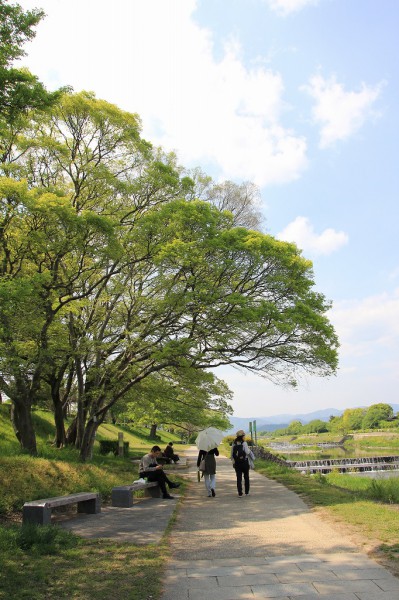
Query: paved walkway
[[143, 523], [266, 545]]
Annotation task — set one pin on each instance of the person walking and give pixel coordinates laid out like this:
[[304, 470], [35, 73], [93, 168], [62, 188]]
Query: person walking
[[241, 456], [210, 469]]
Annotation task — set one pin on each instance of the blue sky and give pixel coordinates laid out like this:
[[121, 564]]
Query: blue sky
[[298, 96]]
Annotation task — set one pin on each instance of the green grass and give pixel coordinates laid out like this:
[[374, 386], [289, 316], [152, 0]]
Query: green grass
[[382, 490], [49, 562], [388, 440], [138, 437]]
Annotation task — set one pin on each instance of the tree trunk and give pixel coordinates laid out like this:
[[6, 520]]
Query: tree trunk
[[153, 431], [86, 448], [21, 418], [71, 433], [60, 436], [80, 416]]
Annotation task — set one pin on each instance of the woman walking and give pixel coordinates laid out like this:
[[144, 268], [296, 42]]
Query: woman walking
[[210, 469], [241, 455]]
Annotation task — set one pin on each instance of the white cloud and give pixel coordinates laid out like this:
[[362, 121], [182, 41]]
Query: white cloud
[[301, 232], [286, 7], [338, 112], [369, 327], [154, 59]]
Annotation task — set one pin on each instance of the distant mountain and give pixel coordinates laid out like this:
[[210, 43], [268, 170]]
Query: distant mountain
[[281, 421]]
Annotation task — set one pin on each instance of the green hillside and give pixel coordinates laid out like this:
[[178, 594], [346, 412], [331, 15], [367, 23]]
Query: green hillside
[[56, 471], [39, 562]]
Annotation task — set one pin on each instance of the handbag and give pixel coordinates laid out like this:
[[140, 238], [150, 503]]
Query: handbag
[[202, 465]]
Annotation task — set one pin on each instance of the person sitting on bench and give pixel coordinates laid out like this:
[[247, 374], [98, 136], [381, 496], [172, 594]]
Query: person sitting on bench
[[154, 472], [169, 453]]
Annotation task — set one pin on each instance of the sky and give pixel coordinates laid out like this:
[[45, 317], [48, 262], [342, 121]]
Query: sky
[[299, 97]]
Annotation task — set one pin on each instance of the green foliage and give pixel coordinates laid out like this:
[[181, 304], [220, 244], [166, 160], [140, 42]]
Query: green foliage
[[16, 27], [110, 446], [20, 91], [188, 399], [375, 414], [352, 418], [316, 426], [294, 428]]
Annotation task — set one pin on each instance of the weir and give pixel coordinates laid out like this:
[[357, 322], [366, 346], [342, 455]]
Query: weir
[[344, 465]]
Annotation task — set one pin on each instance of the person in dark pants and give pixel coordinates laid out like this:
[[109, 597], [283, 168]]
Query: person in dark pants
[[154, 472], [239, 455], [169, 453]]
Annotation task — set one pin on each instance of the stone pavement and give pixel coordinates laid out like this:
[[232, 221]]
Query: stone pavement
[[266, 545], [144, 523]]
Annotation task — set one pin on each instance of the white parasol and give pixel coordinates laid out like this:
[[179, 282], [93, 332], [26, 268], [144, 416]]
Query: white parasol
[[209, 438]]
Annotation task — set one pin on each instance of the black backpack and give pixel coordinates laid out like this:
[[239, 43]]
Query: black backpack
[[239, 455]]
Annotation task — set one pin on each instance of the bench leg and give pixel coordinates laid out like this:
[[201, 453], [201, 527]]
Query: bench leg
[[122, 498], [153, 492], [90, 507], [38, 515]]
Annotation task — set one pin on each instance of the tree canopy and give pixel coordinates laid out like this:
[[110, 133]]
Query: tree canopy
[[117, 277]]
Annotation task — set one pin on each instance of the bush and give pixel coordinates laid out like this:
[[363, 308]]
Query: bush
[[386, 490], [107, 446]]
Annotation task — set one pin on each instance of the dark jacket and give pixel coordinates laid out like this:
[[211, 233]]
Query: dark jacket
[[210, 461], [168, 452]]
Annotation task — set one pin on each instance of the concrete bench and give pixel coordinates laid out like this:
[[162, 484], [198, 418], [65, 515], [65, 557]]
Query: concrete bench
[[39, 511], [122, 496]]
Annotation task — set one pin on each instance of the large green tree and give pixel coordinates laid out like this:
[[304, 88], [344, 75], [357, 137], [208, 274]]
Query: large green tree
[[171, 284], [42, 240], [188, 399], [375, 414]]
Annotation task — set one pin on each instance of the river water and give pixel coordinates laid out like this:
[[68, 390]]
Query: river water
[[294, 452]]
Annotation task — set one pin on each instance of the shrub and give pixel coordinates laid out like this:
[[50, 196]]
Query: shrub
[[107, 446]]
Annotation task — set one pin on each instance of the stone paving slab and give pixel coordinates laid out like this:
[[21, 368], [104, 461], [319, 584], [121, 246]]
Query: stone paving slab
[[378, 596], [266, 545], [144, 523]]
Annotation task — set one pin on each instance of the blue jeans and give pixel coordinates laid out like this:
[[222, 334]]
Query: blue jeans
[[210, 482]]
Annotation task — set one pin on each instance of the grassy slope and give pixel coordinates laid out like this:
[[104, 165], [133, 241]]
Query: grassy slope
[[56, 472], [78, 569]]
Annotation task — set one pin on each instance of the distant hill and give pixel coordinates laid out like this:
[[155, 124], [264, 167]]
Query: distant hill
[[281, 421]]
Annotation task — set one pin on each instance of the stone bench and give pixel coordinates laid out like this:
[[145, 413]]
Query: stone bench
[[39, 511], [122, 495]]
